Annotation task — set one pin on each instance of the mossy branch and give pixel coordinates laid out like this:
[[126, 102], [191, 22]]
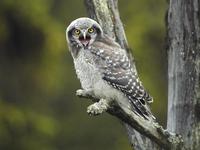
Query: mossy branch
[[151, 129]]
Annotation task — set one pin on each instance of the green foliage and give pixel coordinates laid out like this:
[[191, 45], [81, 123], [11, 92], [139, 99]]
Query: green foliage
[[38, 106]]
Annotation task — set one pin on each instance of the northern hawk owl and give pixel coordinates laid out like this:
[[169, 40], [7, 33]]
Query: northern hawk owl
[[105, 70]]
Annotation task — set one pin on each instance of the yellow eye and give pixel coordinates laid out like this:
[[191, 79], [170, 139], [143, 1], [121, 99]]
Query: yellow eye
[[77, 32], [90, 30]]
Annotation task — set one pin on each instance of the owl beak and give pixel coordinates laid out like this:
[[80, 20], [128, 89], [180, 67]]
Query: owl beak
[[84, 39], [84, 35]]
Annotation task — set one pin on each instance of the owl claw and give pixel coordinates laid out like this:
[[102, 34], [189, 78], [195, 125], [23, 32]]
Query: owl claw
[[94, 109], [80, 92], [97, 108], [84, 93]]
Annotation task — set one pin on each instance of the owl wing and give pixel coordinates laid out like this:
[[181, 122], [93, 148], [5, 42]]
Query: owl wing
[[118, 72]]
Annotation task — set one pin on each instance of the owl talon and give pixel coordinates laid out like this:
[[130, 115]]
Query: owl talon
[[83, 93], [80, 92], [98, 107], [94, 109]]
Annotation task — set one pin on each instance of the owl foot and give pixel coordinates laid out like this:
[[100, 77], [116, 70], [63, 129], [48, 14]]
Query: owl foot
[[98, 107], [84, 93]]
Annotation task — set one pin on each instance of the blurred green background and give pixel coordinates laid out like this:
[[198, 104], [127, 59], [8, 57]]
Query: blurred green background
[[38, 106]]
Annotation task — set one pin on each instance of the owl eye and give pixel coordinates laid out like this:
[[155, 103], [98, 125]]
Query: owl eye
[[91, 30], [77, 31]]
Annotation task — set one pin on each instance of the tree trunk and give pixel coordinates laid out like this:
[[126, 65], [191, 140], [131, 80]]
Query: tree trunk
[[183, 24]]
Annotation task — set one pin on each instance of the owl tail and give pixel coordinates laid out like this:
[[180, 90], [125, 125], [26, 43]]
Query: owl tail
[[142, 110]]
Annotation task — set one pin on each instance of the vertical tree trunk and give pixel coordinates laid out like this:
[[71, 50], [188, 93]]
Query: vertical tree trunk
[[184, 70]]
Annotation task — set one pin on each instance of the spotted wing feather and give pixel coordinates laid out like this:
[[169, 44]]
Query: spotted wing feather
[[118, 73]]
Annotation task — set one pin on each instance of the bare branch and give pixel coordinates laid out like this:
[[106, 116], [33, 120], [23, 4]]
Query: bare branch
[[150, 129]]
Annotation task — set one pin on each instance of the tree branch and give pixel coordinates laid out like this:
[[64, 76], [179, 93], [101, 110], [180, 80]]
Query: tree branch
[[152, 130]]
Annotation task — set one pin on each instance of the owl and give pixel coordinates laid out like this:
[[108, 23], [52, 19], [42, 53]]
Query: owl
[[105, 70]]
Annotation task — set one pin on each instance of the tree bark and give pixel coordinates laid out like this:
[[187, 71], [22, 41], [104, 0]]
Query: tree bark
[[183, 24]]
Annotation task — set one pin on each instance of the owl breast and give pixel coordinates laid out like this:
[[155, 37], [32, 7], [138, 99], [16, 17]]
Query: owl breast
[[86, 70], [91, 78]]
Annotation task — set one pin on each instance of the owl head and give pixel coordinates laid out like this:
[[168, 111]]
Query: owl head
[[82, 32]]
